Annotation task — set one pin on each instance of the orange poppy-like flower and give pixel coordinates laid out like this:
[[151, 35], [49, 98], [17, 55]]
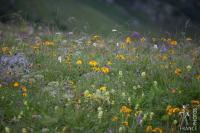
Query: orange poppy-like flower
[[125, 109], [24, 89], [178, 71], [173, 42], [125, 123]]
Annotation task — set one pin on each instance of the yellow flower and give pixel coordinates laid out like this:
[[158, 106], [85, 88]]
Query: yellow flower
[[24, 94], [115, 118], [93, 63], [148, 128], [128, 40], [125, 123], [96, 69], [5, 49], [105, 70], [87, 94], [142, 40], [109, 63], [198, 76], [24, 89], [195, 102], [125, 109], [156, 130], [48, 43], [178, 71], [120, 57], [176, 110], [79, 62], [16, 84], [103, 88], [36, 46]]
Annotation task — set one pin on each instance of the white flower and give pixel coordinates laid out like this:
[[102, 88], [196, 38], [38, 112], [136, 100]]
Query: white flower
[[7, 129], [114, 30], [143, 74], [120, 73], [189, 67], [155, 46], [24, 130], [123, 94], [99, 109], [100, 114], [60, 59], [134, 87], [155, 83]]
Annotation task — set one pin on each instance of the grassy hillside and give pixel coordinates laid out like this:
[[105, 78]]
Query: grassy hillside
[[79, 15]]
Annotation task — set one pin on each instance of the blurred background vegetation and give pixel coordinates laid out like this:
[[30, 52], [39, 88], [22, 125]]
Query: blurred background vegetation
[[102, 16]]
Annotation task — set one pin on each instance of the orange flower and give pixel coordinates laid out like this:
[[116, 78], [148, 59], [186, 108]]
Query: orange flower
[[125, 109], [24, 94], [173, 42], [178, 71], [24, 89], [125, 123]]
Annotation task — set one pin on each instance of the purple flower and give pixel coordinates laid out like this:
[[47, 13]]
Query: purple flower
[[139, 119], [163, 49], [135, 35], [109, 131]]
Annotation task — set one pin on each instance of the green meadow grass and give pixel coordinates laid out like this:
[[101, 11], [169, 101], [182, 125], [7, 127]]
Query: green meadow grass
[[65, 96]]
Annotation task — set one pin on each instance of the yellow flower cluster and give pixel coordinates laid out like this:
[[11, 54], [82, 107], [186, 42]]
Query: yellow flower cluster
[[120, 57], [171, 110], [48, 43]]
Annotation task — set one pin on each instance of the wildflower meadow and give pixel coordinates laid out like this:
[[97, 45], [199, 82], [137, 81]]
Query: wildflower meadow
[[73, 82]]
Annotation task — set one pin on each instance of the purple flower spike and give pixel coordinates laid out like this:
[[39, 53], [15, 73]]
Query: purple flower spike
[[138, 119], [135, 35]]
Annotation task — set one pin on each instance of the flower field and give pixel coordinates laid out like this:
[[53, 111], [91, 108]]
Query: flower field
[[128, 82]]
